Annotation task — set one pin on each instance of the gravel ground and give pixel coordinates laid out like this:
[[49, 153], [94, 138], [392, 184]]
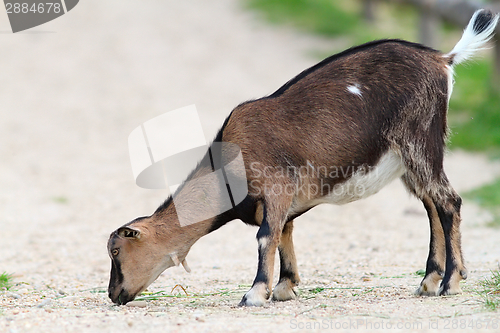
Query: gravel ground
[[71, 92]]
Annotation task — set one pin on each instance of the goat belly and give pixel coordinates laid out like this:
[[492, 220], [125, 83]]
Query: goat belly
[[363, 183]]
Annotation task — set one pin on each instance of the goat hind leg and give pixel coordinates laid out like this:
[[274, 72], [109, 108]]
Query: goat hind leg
[[448, 209], [435, 266]]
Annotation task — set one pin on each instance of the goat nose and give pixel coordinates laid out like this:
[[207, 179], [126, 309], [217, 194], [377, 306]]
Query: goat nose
[[114, 295]]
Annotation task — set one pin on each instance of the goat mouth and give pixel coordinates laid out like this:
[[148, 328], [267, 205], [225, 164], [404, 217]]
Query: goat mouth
[[123, 298]]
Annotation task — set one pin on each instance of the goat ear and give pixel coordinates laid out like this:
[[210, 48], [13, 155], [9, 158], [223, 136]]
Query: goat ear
[[128, 232]]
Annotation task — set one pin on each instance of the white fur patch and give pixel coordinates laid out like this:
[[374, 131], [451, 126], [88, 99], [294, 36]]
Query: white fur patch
[[355, 89], [450, 73], [262, 242], [366, 183], [472, 41], [256, 296]]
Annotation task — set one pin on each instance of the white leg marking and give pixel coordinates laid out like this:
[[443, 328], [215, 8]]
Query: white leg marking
[[255, 296], [262, 242]]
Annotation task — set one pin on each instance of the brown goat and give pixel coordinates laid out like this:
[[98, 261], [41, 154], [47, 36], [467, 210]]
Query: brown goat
[[336, 133]]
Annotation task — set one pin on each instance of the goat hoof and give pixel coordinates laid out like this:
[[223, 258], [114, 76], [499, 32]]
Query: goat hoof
[[254, 298], [451, 286], [251, 302], [284, 291], [430, 284], [424, 291], [443, 291]]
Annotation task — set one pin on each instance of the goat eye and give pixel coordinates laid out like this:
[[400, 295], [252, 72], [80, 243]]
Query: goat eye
[[115, 252]]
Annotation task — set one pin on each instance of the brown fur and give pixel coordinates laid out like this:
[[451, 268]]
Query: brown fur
[[377, 108]]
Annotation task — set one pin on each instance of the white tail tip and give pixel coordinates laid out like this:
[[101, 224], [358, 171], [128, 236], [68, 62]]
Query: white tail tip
[[477, 33]]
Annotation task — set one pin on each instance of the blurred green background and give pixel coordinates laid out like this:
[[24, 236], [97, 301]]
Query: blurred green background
[[474, 107], [474, 114]]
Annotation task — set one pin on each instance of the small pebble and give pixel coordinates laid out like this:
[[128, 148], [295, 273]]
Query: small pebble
[[159, 309], [43, 303], [69, 299], [15, 296], [137, 304]]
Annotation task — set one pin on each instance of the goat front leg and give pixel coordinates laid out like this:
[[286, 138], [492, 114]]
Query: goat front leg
[[268, 238], [289, 275]]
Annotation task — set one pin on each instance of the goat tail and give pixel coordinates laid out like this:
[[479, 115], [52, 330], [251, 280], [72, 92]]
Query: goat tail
[[477, 33]]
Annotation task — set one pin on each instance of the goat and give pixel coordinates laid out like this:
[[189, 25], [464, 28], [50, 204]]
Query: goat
[[377, 110]]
